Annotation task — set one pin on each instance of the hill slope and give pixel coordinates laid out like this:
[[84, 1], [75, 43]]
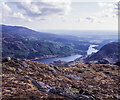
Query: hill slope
[[35, 80], [108, 54], [21, 42]]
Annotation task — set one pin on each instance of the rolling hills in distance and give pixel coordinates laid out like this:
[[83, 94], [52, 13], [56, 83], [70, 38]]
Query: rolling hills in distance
[[24, 43]]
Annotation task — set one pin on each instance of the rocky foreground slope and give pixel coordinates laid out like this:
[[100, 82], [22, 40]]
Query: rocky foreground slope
[[35, 80]]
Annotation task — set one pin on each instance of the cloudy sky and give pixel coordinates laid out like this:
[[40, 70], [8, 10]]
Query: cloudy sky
[[61, 14]]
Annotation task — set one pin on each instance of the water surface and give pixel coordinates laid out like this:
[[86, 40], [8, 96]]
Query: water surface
[[91, 49], [67, 59]]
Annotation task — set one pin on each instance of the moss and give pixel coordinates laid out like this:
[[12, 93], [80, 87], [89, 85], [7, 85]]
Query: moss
[[72, 90]]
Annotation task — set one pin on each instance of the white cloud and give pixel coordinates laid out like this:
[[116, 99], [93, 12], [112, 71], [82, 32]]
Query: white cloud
[[80, 20], [8, 13], [93, 19], [30, 10], [111, 9], [44, 8], [5, 8], [18, 14], [0, 14]]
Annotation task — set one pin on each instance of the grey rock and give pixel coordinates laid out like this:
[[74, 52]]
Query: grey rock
[[77, 96], [47, 88], [42, 86], [55, 91], [52, 69], [24, 64], [28, 78], [6, 59], [19, 69], [74, 77]]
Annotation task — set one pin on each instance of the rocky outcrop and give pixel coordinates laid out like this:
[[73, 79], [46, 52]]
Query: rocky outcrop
[[35, 80], [6, 59], [50, 89]]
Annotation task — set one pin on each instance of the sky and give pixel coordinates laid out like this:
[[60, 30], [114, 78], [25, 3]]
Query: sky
[[60, 14]]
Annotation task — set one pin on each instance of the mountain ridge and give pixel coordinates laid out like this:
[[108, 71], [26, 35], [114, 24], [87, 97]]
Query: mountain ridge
[[21, 42]]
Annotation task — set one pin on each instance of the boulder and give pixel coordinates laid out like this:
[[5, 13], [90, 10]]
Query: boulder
[[6, 59]]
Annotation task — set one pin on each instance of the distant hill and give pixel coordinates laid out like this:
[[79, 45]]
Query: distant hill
[[108, 54], [22, 42]]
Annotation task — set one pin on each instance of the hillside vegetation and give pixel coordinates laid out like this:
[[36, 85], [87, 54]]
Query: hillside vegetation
[[21, 42], [35, 80]]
